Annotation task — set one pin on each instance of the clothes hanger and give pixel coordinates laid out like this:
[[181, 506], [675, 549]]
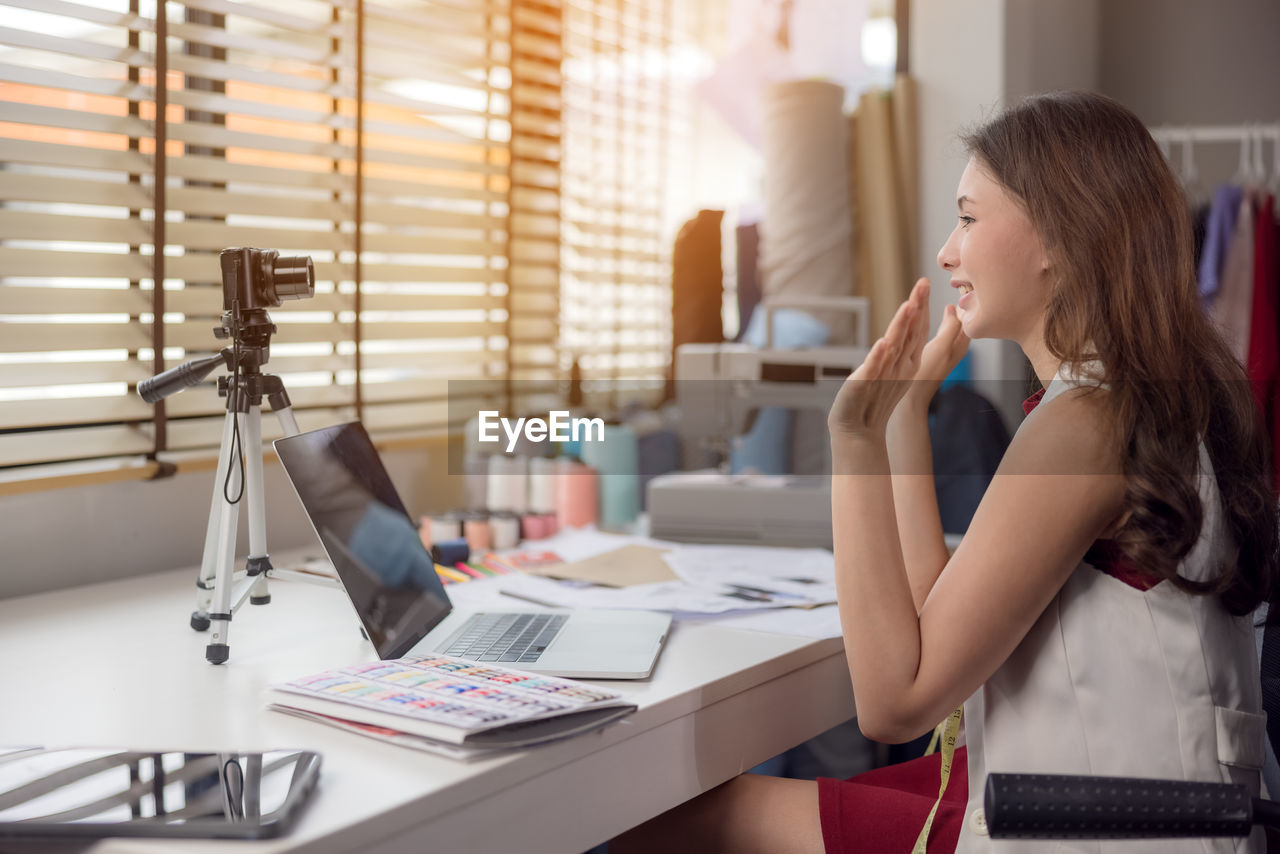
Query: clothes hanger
[[1259, 168], [1244, 168], [1190, 176], [1274, 184]]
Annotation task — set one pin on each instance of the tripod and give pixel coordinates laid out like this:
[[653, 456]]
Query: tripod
[[216, 601], [252, 279]]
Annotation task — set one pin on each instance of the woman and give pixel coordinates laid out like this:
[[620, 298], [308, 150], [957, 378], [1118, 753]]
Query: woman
[[1094, 620]]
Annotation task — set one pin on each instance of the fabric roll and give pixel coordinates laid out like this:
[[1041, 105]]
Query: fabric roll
[[748, 254], [542, 485], [906, 163], [806, 236], [576, 498], [881, 239], [697, 284], [476, 468], [617, 461], [507, 484]]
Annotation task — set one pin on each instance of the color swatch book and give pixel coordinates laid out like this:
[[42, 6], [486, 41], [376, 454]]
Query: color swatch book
[[462, 707]]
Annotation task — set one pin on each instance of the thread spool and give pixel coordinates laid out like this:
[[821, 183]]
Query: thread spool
[[477, 532], [505, 530], [447, 526], [542, 485], [575, 494], [538, 526], [617, 460], [451, 552], [508, 477], [475, 467]]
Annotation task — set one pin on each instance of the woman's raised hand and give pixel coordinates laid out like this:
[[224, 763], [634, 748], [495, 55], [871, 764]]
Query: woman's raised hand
[[900, 363]]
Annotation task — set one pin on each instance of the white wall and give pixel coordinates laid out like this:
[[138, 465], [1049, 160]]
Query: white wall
[[970, 60], [1191, 62], [66, 537]]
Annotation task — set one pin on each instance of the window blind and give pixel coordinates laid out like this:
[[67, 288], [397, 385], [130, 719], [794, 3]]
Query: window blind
[[626, 128], [411, 149]]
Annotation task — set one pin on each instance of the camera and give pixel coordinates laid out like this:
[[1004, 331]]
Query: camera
[[252, 280], [260, 278]]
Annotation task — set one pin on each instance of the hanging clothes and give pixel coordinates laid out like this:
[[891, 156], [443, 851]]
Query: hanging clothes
[[1219, 228], [1264, 348], [1233, 308]]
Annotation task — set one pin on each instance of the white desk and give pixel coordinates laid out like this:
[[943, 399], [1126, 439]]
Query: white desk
[[116, 664]]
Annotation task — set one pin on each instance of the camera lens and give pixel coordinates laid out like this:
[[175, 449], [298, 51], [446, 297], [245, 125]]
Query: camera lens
[[293, 277]]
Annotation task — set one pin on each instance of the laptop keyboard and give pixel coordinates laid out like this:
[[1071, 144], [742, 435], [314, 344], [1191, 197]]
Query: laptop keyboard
[[506, 637]]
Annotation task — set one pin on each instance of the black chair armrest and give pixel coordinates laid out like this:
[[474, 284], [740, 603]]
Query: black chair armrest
[[1055, 806]]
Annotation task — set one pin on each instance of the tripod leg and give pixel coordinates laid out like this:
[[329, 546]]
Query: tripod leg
[[209, 559], [219, 648], [284, 414], [259, 563]]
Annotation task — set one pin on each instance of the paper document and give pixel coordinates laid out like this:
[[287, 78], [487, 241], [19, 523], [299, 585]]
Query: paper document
[[797, 577]]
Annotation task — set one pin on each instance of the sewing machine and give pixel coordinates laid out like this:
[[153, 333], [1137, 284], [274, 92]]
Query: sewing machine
[[720, 389]]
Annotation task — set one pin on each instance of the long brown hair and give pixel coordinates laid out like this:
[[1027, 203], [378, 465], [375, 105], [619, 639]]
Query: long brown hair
[[1118, 236]]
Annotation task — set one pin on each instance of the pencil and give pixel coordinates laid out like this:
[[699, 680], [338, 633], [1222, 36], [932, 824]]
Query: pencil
[[469, 570], [451, 574]]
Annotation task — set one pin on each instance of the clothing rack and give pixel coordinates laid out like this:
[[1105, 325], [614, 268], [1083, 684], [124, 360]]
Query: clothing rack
[[1217, 133], [1251, 136]]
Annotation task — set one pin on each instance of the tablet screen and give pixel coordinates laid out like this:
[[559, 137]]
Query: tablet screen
[[91, 792]]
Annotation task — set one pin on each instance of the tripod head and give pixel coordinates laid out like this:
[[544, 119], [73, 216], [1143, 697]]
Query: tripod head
[[252, 279]]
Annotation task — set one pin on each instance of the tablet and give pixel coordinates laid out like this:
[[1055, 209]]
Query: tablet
[[95, 792]]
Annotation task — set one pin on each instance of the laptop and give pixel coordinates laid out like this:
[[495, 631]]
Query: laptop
[[388, 574]]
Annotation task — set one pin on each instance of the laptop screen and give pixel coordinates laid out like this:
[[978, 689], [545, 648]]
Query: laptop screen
[[367, 534]]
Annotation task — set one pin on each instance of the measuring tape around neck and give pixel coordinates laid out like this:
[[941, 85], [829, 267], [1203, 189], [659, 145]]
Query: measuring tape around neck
[[949, 731]]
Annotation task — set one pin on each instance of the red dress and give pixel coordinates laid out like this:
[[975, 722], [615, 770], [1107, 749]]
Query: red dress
[[884, 809]]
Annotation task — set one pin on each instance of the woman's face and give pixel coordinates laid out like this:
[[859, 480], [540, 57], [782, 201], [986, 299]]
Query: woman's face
[[996, 261]]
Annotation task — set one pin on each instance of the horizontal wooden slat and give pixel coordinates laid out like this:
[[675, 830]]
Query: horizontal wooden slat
[[218, 136], [213, 102], [412, 243], [75, 443], [206, 432], [78, 83], [210, 69], [423, 273], [41, 413], [209, 301], [25, 225], [40, 262], [191, 402], [56, 117], [79, 48], [41, 374], [37, 300], [310, 48], [105, 17], [75, 156], [402, 416], [216, 236], [440, 17], [15, 186], [266, 14], [46, 337], [221, 170], [426, 331], [196, 335]]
